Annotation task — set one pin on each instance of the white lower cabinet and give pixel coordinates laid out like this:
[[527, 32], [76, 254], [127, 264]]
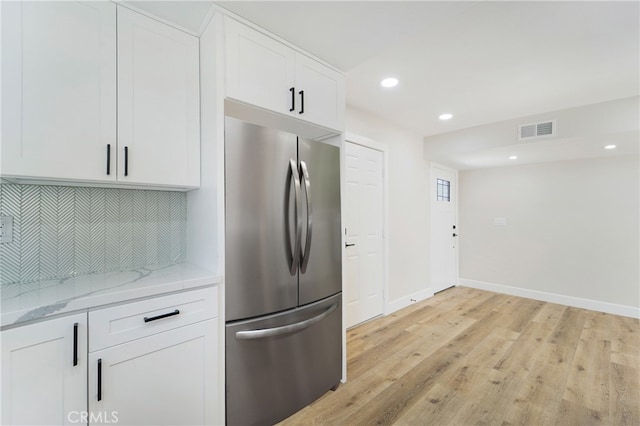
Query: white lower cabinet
[[165, 379], [150, 362], [44, 372], [155, 361]]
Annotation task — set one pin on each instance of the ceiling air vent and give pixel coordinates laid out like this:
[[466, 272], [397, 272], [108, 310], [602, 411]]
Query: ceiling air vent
[[536, 130]]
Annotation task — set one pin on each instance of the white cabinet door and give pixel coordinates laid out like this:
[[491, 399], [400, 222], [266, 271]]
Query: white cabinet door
[[259, 70], [166, 379], [40, 383], [263, 72], [322, 99], [58, 89], [158, 103]]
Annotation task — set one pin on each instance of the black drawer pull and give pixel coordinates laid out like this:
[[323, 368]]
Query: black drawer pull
[[75, 344], [170, 314], [293, 99], [108, 159], [301, 93], [126, 161], [100, 379]]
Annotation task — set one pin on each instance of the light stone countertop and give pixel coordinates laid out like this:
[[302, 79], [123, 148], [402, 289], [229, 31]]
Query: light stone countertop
[[23, 302]]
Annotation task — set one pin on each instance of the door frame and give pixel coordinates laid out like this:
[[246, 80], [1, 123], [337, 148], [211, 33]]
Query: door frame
[[384, 149], [432, 201]]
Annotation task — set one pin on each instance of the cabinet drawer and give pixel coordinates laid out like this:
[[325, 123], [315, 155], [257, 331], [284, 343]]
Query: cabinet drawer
[[123, 323]]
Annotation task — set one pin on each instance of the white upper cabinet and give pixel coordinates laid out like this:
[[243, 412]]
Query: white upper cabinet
[[322, 100], [64, 64], [266, 73], [58, 89], [158, 103], [259, 70]]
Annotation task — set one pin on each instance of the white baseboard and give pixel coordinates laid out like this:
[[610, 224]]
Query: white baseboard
[[405, 301], [577, 302]]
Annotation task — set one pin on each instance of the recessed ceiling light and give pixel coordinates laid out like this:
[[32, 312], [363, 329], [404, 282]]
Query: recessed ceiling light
[[609, 147], [389, 82], [513, 157], [446, 116]]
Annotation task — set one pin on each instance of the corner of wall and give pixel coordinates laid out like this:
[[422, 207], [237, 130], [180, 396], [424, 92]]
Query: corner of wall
[[561, 299]]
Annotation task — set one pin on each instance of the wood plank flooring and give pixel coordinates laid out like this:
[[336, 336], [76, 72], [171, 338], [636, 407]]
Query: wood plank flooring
[[472, 357]]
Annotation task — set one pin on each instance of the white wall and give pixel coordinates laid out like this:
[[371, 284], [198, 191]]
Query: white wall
[[408, 231], [572, 229], [205, 224], [205, 206], [581, 132]]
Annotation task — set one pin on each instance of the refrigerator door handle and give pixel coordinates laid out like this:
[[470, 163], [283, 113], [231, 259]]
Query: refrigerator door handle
[[298, 223], [307, 190], [285, 329]]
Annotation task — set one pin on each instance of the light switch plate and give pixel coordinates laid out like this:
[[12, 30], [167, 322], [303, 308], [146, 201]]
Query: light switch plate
[[500, 221], [6, 229]]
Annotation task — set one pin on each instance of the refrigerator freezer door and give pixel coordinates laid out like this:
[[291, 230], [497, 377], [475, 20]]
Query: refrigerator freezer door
[[260, 222], [278, 364], [321, 269]]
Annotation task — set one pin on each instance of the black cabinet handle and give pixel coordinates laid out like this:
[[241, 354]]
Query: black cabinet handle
[[170, 314], [301, 93], [126, 161], [108, 159], [293, 99], [349, 245], [100, 379], [75, 344]]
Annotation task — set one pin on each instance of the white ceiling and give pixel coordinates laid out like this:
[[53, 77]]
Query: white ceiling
[[581, 132], [192, 16], [483, 61]]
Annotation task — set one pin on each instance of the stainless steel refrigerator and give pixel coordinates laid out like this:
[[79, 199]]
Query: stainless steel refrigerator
[[282, 272]]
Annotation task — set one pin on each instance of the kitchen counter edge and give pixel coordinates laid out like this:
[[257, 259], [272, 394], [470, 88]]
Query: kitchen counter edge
[[23, 303]]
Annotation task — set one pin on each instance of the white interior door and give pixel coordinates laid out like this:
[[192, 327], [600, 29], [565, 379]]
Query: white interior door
[[364, 223], [444, 232]]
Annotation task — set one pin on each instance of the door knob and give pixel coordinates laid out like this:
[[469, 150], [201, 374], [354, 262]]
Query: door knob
[[455, 235], [349, 245]]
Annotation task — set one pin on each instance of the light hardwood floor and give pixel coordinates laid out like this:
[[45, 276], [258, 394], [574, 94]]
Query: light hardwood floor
[[472, 357]]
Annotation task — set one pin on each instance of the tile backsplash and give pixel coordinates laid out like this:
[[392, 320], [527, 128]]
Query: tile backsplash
[[60, 231]]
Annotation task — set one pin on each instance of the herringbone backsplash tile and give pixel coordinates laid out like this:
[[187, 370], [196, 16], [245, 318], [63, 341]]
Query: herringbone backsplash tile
[[66, 231]]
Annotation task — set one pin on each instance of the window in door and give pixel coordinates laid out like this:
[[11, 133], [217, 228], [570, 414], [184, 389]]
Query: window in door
[[443, 192]]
